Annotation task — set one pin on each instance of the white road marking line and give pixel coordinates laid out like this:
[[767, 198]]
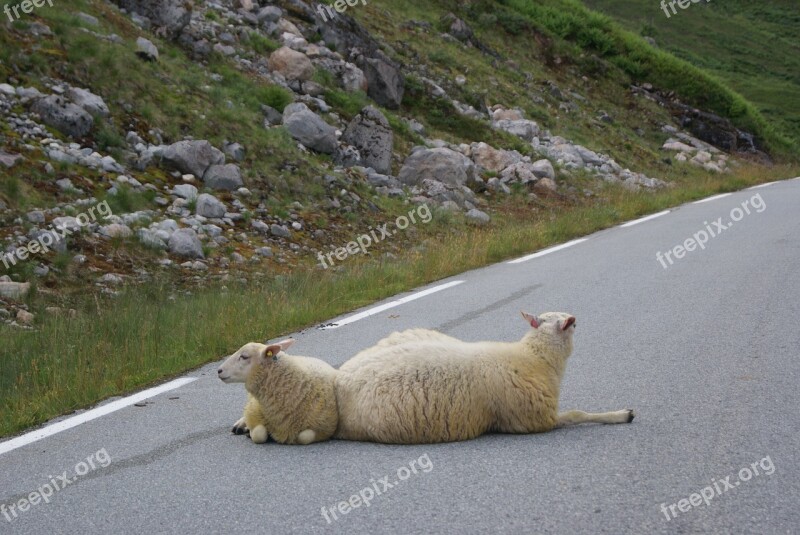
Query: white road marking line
[[391, 304], [714, 198], [643, 219], [762, 185], [547, 251], [69, 423]]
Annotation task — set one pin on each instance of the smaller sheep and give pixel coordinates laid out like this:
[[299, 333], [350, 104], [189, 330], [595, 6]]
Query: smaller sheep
[[290, 398]]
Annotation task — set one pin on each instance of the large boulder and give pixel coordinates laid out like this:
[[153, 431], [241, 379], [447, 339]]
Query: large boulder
[[385, 82], [184, 242], [226, 177], [293, 65], [88, 101], [209, 206], [193, 157], [309, 129], [440, 164], [170, 16], [66, 117], [371, 134], [493, 159], [522, 128]]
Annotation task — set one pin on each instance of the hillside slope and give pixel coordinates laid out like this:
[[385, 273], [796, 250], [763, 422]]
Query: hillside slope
[[753, 46]]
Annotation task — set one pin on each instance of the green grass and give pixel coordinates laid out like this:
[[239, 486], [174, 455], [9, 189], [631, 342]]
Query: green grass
[[117, 345], [752, 46]]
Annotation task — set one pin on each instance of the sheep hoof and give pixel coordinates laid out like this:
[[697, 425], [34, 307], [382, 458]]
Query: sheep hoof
[[630, 415], [259, 435], [239, 428]]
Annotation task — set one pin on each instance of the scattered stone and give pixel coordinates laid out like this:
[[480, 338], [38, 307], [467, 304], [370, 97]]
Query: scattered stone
[[193, 157], [371, 134], [14, 290], [87, 100], [146, 50], [226, 177], [309, 129], [477, 216], [24, 317], [209, 206], [66, 117], [291, 64], [185, 243]]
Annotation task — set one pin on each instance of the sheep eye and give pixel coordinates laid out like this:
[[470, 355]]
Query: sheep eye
[[244, 357]]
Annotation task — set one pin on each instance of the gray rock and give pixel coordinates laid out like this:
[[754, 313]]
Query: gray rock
[[371, 134], [293, 65], [477, 216], [521, 128], [146, 50], [209, 206], [235, 150], [171, 15], [440, 164], [543, 169], [269, 14], [279, 231], [151, 239], [9, 160], [36, 217], [88, 19], [14, 290], [185, 191], [88, 101], [66, 117], [192, 157], [385, 83], [116, 230], [273, 116], [309, 129], [223, 177], [184, 242]]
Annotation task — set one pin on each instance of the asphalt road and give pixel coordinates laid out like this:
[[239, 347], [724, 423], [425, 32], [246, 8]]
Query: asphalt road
[[706, 352]]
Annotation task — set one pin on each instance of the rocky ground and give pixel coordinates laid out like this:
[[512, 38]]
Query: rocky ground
[[202, 220]]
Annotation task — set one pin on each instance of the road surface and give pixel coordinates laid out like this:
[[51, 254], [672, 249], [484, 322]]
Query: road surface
[[706, 350]]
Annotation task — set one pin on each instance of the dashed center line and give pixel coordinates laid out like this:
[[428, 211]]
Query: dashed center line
[[391, 304], [643, 219], [714, 198], [547, 251]]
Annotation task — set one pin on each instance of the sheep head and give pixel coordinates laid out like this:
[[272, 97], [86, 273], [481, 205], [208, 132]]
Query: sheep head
[[552, 329], [238, 366]]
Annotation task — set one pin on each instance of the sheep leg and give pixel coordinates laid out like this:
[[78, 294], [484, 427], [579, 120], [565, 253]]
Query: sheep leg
[[580, 417], [240, 427]]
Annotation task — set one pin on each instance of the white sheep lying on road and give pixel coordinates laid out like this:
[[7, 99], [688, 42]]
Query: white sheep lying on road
[[290, 398], [421, 386]]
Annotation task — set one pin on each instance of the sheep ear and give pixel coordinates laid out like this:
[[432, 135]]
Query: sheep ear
[[530, 319], [272, 351], [286, 344]]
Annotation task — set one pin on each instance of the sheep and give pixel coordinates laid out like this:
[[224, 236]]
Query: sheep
[[425, 387], [290, 398]]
